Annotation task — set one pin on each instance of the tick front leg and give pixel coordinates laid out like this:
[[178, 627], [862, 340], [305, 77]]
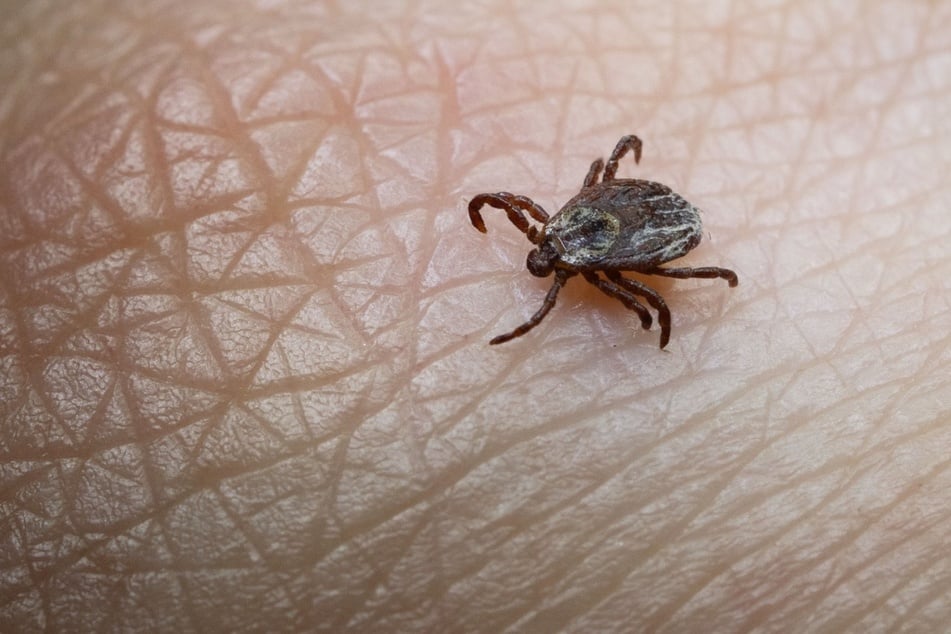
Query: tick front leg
[[625, 297], [708, 272], [561, 277], [627, 143], [653, 298], [511, 204]]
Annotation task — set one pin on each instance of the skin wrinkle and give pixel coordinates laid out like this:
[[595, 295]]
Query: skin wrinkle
[[899, 541], [243, 322], [800, 520], [616, 583]]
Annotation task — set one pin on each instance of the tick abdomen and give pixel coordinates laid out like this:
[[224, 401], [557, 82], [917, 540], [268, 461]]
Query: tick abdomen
[[640, 223]]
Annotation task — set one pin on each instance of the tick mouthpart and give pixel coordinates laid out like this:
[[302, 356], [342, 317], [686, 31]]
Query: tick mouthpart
[[541, 261]]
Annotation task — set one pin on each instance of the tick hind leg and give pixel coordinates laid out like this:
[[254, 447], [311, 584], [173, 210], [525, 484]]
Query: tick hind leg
[[561, 276], [624, 296], [653, 298], [512, 205], [707, 272], [627, 143]]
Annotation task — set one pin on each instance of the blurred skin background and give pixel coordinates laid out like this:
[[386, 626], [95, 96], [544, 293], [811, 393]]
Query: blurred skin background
[[244, 374]]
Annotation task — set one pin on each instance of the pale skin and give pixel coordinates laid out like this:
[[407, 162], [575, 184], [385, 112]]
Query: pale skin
[[244, 320]]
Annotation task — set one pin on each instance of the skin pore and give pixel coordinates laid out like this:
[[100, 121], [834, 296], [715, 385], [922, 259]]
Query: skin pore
[[245, 379]]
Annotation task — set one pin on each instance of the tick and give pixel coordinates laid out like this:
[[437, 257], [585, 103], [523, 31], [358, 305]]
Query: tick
[[615, 225]]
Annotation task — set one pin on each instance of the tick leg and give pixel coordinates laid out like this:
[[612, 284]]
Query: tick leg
[[625, 297], [702, 271], [511, 204], [593, 173], [561, 277], [653, 298], [627, 143]]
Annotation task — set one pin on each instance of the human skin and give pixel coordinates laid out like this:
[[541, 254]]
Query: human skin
[[244, 374]]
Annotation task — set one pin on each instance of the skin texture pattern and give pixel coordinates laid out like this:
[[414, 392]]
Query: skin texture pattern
[[244, 377]]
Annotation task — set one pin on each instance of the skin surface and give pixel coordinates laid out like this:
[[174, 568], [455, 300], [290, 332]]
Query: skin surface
[[244, 374]]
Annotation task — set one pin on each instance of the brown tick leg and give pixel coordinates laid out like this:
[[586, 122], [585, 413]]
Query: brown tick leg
[[511, 204], [499, 201], [527, 204], [702, 271], [627, 143], [653, 298], [593, 173], [561, 276], [625, 297]]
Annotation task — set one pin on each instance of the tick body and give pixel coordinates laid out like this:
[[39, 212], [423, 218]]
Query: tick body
[[611, 226]]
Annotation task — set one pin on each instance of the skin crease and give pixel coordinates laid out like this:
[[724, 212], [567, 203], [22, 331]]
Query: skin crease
[[244, 374]]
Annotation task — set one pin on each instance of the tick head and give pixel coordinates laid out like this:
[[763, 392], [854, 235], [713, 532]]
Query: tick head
[[541, 260]]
